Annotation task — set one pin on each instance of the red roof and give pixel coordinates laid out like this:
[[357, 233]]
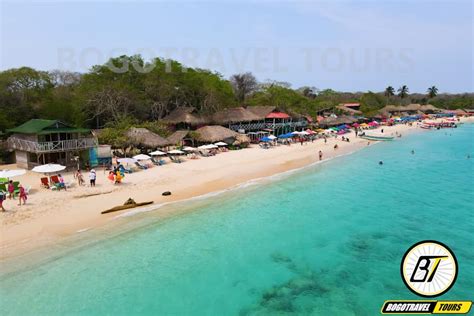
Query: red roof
[[278, 115], [351, 104]]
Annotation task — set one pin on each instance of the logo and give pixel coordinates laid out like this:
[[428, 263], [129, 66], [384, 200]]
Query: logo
[[429, 268]]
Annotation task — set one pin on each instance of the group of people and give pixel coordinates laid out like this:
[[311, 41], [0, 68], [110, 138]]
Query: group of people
[[10, 194], [115, 176], [80, 178]]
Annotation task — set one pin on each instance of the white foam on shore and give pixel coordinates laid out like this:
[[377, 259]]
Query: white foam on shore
[[246, 184]]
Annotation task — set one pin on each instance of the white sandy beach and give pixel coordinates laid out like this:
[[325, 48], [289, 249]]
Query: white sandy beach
[[50, 215]]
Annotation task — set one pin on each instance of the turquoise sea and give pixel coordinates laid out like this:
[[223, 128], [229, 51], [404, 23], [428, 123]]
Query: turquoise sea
[[325, 240]]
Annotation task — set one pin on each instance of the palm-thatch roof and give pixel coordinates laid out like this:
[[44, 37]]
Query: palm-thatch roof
[[261, 111], [233, 115], [429, 107], [143, 137], [350, 111], [214, 133], [334, 121], [241, 139], [186, 115], [177, 137]]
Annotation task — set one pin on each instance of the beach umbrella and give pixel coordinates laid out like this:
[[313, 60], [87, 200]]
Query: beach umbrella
[[220, 144], [304, 133], [12, 173], [272, 137], [175, 152], [188, 148], [49, 168], [356, 125], [157, 153], [141, 157], [127, 160], [209, 146], [265, 139]]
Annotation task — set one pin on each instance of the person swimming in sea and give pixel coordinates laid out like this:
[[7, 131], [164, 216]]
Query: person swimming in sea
[[380, 162], [412, 151]]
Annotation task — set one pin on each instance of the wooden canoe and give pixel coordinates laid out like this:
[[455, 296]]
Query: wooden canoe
[[125, 207]]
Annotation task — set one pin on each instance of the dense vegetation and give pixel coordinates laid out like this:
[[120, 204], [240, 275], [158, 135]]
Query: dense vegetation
[[128, 90]]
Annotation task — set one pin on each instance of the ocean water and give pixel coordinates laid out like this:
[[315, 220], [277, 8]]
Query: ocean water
[[326, 240]]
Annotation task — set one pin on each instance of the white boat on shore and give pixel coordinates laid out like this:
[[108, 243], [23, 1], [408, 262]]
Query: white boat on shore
[[376, 136]]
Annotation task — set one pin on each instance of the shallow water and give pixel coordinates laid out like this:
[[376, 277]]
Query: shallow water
[[327, 240]]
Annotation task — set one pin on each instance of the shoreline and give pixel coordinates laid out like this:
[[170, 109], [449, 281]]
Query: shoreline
[[52, 216]]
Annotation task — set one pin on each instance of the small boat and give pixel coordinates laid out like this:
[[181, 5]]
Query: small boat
[[376, 136], [130, 203]]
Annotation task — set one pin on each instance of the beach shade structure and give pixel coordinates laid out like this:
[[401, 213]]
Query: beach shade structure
[[356, 125], [157, 153], [208, 146], [220, 144], [48, 168], [127, 161], [175, 152], [320, 130], [272, 137], [372, 124], [141, 157], [266, 139], [188, 148], [304, 133], [287, 135], [12, 173]]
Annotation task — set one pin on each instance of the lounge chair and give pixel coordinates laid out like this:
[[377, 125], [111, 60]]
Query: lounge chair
[[56, 184], [140, 166], [45, 182], [205, 153], [175, 159], [158, 162]]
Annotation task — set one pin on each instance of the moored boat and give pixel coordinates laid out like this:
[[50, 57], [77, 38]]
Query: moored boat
[[376, 136]]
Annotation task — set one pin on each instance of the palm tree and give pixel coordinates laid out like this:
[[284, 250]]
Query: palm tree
[[389, 91], [403, 91], [432, 92]]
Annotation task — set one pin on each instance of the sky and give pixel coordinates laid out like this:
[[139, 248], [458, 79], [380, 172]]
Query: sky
[[341, 44]]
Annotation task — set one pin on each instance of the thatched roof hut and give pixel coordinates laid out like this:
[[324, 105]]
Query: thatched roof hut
[[233, 115], [261, 111], [241, 139], [214, 133], [177, 137], [334, 121], [187, 115], [347, 110], [143, 137]]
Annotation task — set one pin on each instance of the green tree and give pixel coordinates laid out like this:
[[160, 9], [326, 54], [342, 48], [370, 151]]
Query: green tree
[[403, 91], [389, 91], [432, 92]]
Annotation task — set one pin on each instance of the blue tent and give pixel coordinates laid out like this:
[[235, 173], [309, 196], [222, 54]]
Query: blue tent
[[287, 135]]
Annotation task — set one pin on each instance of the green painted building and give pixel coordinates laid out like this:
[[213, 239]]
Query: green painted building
[[38, 142]]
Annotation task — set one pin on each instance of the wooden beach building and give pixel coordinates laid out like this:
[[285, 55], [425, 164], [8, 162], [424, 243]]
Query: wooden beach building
[[38, 142]]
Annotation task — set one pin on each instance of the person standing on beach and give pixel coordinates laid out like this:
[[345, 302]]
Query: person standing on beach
[[92, 177], [2, 198], [320, 155], [23, 196], [11, 190], [79, 177], [336, 147]]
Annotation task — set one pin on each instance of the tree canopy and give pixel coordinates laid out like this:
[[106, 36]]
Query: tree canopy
[[128, 88]]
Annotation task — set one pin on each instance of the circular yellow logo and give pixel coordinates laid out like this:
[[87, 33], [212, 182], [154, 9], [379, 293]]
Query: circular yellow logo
[[429, 268]]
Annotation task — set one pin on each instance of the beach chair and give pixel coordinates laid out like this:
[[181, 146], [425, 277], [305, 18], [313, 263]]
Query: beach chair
[[45, 182], [3, 187], [140, 166], [56, 184], [16, 188], [3, 180], [175, 159]]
